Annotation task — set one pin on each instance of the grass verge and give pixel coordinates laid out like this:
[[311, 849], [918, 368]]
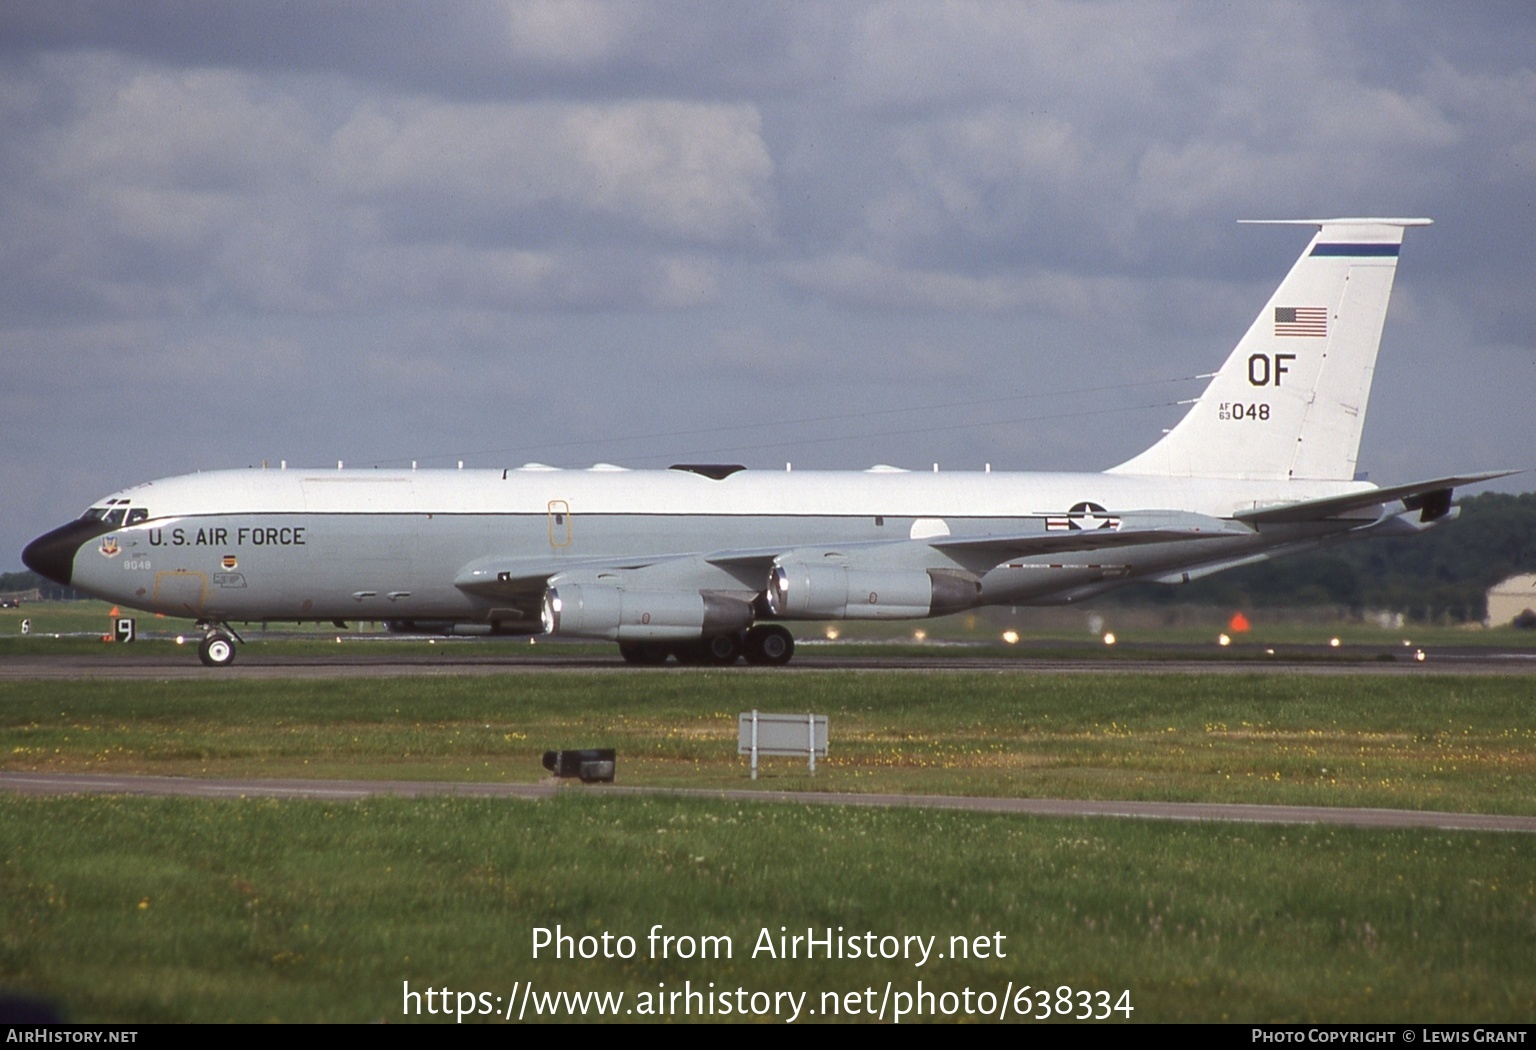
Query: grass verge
[[181, 910], [128, 910], [1436, 742]]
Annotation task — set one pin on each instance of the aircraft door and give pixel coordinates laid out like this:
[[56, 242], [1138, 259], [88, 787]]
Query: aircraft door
[[559, 523], [180, 592]]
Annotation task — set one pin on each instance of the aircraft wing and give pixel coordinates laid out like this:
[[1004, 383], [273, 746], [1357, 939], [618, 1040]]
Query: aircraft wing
[[1133, 529], [1432, 499], [509, 577], [521, 580]]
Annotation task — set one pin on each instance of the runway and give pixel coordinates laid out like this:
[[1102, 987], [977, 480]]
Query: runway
[[47, 784], [356, 661]]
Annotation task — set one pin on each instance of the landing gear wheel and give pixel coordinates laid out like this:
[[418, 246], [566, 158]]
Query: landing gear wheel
[[723, 650], [769, 644], [640, 653], [690, 654], [217, 650], [687, 653], [720, 651]]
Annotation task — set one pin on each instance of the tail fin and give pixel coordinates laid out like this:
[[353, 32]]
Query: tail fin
[[1290, 401]]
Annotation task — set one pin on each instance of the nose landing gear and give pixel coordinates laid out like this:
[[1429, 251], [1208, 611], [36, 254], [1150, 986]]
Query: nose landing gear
[[217, 648]]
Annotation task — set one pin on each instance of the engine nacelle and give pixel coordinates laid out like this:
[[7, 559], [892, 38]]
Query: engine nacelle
[[798, 591], [622, 615]]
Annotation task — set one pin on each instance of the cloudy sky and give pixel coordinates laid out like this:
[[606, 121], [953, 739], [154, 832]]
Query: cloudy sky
[[833, 234]]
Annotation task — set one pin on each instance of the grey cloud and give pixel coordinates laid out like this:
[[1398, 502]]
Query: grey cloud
[[502, 279], [681, 169], [379, 229], [450, 48], [168, 190]]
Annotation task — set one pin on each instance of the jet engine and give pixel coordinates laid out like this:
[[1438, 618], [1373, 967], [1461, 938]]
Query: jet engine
[[618, 614], [799, 591]]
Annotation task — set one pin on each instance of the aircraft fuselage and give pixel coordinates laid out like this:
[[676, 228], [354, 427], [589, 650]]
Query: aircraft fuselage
[[397, 545]]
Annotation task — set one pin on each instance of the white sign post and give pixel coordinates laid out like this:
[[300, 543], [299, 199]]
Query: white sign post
[[769, 734]]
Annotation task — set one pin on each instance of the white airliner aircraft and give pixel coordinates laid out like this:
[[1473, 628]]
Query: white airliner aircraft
[[702, 561]]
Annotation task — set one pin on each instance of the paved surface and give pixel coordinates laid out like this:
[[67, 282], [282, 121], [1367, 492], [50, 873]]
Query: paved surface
[[356, 662], [342, 790]]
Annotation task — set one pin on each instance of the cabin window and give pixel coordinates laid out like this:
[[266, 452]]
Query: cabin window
[[115, 516], [138, 514]]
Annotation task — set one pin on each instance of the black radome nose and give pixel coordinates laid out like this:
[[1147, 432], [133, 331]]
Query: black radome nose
[[53, 553]]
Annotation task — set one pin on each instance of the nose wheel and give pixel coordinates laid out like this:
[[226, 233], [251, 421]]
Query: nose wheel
[[216, 650]]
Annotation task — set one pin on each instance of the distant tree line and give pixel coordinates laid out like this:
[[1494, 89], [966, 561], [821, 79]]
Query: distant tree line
[[20, 582], [1443, 574]]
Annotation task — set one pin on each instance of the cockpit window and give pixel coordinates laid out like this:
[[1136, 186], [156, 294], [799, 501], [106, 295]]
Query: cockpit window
[[117, 513]]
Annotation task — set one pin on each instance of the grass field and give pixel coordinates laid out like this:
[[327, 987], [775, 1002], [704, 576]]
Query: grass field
[[1464, 744], [183, 910], [156, 909]]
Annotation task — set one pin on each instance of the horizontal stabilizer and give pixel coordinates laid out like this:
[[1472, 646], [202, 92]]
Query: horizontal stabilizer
[[1337, 222], [1423, 496]]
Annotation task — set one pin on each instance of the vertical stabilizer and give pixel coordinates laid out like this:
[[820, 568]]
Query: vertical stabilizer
[[1290, 400]]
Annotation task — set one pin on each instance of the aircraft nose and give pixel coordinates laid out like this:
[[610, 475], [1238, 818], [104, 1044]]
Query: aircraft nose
[[53, 553]]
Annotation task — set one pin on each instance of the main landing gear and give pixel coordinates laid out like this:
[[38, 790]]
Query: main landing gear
[[217, 648], [766, 644], [769, 644]]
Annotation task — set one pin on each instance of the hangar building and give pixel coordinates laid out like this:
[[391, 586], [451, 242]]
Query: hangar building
[[1512, 598]]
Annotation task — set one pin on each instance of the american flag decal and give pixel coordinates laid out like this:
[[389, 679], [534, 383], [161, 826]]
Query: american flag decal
[[1301, 320]]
